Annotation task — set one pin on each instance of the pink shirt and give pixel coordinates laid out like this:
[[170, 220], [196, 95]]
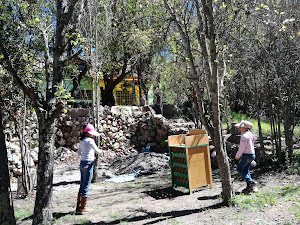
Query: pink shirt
[[246, 144]]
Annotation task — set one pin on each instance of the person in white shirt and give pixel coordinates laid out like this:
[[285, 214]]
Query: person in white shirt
[[246, 153], [86, 150]]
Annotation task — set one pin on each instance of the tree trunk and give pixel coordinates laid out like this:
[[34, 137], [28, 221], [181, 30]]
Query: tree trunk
[[260, 154], [7, 216], [43, 200], [97, 123], [212, 73], [222, 157], [288, 131], [107, 97], [281, 154]]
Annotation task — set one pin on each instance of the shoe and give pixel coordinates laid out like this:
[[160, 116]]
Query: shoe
[[78, 206], [246, 190], [83, 207], [252, 184]]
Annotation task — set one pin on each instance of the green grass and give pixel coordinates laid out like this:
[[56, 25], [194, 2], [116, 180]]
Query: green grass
[[266, 127], [294, 167], [23, 213], [273, 197], [115, 215], [72, 219]]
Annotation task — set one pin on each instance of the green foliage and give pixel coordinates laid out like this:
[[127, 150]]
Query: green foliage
[[265, 126], [23, 213], [294, 166], [237, 117]]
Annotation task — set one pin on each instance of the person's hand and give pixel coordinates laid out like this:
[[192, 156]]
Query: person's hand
[[238, 158]]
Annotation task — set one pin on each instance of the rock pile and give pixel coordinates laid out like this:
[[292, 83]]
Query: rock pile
[[124, 130]]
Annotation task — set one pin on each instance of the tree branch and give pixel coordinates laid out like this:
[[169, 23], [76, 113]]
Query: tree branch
[[13, 72]]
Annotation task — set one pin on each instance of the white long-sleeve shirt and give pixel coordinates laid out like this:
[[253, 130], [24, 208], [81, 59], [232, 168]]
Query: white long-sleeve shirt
[[246, 144], [87, 149]]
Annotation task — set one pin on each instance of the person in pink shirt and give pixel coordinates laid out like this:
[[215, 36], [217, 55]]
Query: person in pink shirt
[[246, 153]]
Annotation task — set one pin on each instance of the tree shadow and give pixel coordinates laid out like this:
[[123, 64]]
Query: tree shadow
[[28, 218], [209, 197], [66, 183], [165, 193], [159, 217], [55, 216], [59, 215]]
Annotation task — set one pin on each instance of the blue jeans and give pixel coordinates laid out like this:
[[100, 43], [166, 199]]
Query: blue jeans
[[244, 165], [86, 172]]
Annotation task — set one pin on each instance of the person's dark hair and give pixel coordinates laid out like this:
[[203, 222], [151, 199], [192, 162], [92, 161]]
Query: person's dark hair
[[83, 135]]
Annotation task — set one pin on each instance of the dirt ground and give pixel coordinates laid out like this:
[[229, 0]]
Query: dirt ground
[[149, 199]]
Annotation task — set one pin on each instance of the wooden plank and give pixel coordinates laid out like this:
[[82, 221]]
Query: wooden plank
[[197, 167], [197, 132], [196, 140], [208, 166], [179, 155], [181, 165], [171, 163], [180, 175], [175, 140]]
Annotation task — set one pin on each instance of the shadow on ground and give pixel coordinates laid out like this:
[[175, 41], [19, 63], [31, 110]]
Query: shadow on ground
[[63, 183], [164, 193], [55, 216], [158, 217]]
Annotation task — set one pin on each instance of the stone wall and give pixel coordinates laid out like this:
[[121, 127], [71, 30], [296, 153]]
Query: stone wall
[[123, 130]]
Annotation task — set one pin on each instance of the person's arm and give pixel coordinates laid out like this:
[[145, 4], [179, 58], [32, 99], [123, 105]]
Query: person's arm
[[242, 147], [79, 152], [95, 147]]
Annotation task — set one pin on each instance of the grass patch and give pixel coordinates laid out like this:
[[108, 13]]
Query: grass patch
[[296, 211], [116, 216], [295, 164], [135, 201], [256, 201], [72, 219], [22, 213], [277, 195], [266, 127], [66, 218], [83, 221]]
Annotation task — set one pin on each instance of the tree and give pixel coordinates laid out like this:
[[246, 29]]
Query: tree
[[22, 23], [7, 216], [122, 38], [205, 31], [266, 40]]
